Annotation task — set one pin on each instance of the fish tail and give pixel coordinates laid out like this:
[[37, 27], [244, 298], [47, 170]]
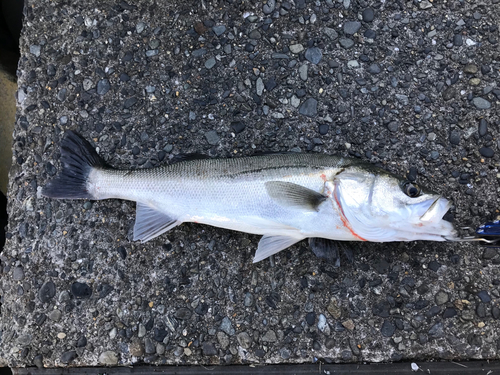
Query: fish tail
[[78, 160]]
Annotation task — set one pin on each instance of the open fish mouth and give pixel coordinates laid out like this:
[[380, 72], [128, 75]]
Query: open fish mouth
[[438, 208]]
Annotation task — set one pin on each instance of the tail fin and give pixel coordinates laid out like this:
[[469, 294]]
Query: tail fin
[[78, 159]]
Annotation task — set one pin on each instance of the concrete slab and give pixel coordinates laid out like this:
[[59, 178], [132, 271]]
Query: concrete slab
[[147, 81]]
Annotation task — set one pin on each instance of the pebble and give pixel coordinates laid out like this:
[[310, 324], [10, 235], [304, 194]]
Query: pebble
[[495, 312], [353, 64], [151, 52], [159, 334], [139, 28], [449, 312], [331, 33], [55, 315], [248, 301], [352, 27], [61, 335], [259, 85], [183, 313], [481, 310], [296, 48], [109, 358], [149, 346], [219, 30], [199, 52], [368, 15], [323, 129], [81, 342], [81, 290], [348, 324], [481, 103], [470, 69], [268, 8], [484, 296], [47, 291], [227, 327], [68, 357], [346, 43], [374, 68], [322, 324], [136, 349], [449, 93], [313, 55], [237, 126], [294, 101], [103, 86], [18, 273], [61, 95], [310, 318], [35, 50], [309, 107], [424, 4], [441, 297], [38, 361], [403, 99], [487, 152], [254, 34], [436, 331], [208, 349], [454, 137], [223, 340], [244, 340], [393, 126], [458, 40], [88, 84], [285, 353], [482, 127], [210, 63], [388, 328], [303, 72], [212, 137], [269, 336]]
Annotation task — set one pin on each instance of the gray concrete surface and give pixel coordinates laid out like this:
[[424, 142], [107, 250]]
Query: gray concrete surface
[[411, 86]]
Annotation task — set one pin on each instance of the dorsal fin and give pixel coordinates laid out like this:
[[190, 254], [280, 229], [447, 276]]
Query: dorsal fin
[[187, 157]]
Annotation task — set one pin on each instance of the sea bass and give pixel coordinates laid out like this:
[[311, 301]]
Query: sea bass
[[283, 197]]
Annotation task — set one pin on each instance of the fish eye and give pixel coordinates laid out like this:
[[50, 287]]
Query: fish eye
[[411, 189]]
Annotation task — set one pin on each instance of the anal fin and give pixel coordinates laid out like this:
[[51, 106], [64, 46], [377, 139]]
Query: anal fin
[[270, 245], [150, 223]]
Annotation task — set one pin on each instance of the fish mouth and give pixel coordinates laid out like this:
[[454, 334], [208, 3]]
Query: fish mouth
[[438, 208]]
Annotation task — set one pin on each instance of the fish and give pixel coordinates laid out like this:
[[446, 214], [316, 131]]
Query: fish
[[284, 197]]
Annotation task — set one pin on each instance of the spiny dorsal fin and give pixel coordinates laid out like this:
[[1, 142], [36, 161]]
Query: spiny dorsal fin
[[293, 195], [187, 157]]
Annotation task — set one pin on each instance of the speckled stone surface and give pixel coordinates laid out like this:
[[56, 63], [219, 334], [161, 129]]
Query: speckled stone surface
[[410, 86]]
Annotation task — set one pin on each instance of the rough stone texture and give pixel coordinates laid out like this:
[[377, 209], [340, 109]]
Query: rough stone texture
[[154, 97]]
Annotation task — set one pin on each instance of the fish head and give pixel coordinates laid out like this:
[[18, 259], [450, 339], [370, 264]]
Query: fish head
[[382, 207]]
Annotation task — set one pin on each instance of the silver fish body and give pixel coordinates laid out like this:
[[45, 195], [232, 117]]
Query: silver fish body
[[284, 197]]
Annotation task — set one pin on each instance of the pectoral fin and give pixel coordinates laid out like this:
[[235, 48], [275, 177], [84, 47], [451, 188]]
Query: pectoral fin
[[270, 245], [150, 223], [293, 195]]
